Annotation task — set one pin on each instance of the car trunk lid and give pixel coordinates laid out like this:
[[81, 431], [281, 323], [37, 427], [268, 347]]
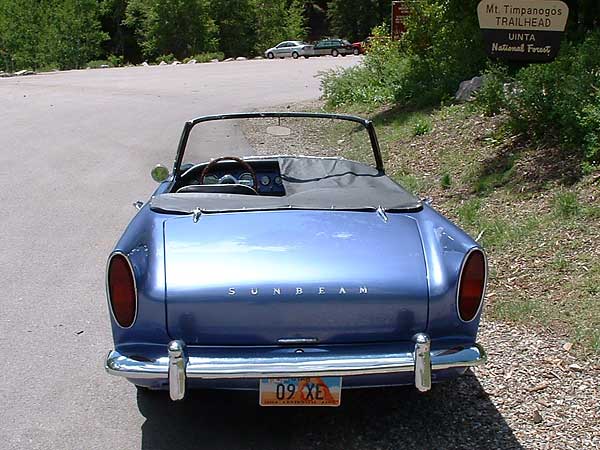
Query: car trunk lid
[[257, 278]]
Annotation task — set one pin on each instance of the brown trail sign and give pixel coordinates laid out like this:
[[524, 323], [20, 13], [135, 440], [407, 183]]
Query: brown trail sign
[[400, 10], [523, 30]]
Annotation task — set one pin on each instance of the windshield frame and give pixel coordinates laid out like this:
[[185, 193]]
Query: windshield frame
[[190, 124]]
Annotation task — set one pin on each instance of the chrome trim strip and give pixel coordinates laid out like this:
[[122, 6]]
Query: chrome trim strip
[[294, 365], [485, 281], [422, 362], [110, 308], [297, 341]]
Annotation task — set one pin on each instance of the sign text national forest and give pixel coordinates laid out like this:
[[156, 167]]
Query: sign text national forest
[[523, 30]]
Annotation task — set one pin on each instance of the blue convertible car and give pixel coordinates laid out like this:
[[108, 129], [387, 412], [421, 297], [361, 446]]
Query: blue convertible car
[[295, 276]]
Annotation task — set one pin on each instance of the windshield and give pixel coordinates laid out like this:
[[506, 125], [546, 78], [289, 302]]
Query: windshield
[[299, 135]]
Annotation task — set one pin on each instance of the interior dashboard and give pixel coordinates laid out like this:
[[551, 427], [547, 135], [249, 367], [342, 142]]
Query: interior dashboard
[[268, 176]]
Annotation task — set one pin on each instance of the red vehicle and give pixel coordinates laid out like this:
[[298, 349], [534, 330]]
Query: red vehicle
[[358, 48]]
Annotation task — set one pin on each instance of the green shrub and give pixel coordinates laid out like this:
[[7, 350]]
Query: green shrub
[[116, 61], [441, 48], [590, 124], [372, 83], [421, 126], [208, 57], [560, 102], [444, 46], [98, 63], [491, 97], [166, 58]]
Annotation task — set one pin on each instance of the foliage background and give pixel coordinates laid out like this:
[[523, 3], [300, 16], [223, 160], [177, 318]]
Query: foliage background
[[65, 34], [549, 104]]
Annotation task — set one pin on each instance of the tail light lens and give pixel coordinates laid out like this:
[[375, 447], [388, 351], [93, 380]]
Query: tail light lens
[[122, 293], [471, 285]]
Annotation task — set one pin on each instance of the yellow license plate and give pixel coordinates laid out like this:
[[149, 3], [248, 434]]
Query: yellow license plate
[[313, 391]]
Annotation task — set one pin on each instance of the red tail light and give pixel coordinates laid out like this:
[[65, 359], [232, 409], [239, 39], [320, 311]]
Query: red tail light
[[122, 293], [472, 285]]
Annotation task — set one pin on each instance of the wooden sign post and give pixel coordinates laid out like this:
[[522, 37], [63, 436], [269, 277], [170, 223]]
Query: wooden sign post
[[400, 10], [523, 30]]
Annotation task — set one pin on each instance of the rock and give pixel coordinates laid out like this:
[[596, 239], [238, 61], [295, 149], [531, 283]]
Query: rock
[[214, 60], [258, 57], [228, 59], [241, 58], [568, 346], [162, 63], [24, 72], [576, 368], [175, 63], [539, 387], [144, 64], [192, 61], [537, 417], [467, 88], [104, 66]]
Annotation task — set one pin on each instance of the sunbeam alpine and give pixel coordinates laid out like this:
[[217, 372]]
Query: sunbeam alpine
[[292, 265]]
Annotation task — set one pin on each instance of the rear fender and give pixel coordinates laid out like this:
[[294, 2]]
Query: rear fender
[[445, 246], [142, 243]]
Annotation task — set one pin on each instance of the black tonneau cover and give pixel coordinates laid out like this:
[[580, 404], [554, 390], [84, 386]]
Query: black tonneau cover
[[310, 183]]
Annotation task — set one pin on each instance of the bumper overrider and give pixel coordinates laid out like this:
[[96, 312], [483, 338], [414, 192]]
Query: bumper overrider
[[177, 366]]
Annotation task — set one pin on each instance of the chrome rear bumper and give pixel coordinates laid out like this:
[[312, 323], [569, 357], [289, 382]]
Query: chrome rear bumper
[[177, 366]]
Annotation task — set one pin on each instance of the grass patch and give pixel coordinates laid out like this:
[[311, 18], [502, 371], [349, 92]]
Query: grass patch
[[500, 176], [468, 212], [566, 204], [421, 127], [411, 183], [446, 181]]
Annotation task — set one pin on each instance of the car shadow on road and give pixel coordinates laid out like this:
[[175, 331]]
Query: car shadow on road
[[455, 415]]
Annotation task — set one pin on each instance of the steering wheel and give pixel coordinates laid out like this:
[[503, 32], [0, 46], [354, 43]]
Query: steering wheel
[[211, 165]]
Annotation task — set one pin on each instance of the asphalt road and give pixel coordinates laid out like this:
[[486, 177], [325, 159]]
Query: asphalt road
[[75, 152]]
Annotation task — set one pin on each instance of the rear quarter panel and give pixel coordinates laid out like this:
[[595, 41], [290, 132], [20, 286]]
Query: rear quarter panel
[[445, 246], [142, 242]]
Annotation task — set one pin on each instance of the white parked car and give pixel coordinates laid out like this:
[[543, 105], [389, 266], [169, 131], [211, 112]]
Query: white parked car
[[295, 49]]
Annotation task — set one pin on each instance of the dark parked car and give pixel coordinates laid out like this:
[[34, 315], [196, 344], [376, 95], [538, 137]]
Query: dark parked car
[[333, 47], [295, 276]]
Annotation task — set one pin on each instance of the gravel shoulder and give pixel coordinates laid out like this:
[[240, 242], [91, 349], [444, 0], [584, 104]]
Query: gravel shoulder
[[547, 395], [532, 394]]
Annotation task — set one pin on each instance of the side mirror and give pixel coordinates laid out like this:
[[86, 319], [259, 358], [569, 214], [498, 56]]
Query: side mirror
[[160, 173]]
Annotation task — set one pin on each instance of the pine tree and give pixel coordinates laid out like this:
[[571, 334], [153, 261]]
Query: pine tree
[[277, 21], [179, 27], [354, 19], [236, 20]]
